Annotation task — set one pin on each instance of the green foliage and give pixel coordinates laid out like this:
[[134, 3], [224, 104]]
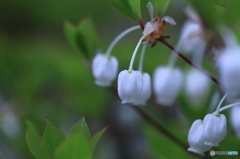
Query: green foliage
[[195, 112], [74, 147], [34, 142], [80, 127], [206, 10], [217, 12], [95, 138], [52, 137], [77, 144], [130, 8], [83, 37], [220, 9], [160, 6], [136, 7], [162, 147]]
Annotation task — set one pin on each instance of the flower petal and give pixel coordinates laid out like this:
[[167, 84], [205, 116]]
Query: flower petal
[[169, 20], [150, 9], [148, 28]]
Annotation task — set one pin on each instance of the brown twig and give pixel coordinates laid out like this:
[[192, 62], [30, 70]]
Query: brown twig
[[158, 126], [164, 41]]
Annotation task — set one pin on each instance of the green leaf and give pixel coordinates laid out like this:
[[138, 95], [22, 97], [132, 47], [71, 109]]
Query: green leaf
[[124, 7], [52, 137], [95, 138], [232, 12], [206, 10], [75, 146], [223, 3], [136, 7], [34, 142], [80, 127], [88, 37], [70, 33], [82, 38], [160, 145], [195, 112], [160, 6], [220, 8]]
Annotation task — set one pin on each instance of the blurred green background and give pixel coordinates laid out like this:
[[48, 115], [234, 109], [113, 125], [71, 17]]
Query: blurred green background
[[40, 74]]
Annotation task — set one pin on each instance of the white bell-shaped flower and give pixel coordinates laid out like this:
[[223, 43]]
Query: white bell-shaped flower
[[167, 82], [146, 90], [191, 37], [195, 138], [134, 87], [104, 69], [214, 129], [229, 68], [196, 86], [235, 120]]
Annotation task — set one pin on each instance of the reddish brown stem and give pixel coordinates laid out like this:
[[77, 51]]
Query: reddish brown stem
[[164, 41], [140, 22]]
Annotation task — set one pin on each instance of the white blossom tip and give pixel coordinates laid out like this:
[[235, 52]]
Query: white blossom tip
[[169, 20], [148, 28], [150, 9], [195, 151]]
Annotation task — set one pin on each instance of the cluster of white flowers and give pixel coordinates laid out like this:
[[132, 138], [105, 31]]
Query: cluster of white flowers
[[203, 135], [135, 86]]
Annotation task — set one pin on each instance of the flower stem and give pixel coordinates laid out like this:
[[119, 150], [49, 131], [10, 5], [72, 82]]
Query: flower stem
[[173, 56], [229, 106], [119, 37], [220, 103], [134, 54], [162, 40], [140, 66], [198, 55]]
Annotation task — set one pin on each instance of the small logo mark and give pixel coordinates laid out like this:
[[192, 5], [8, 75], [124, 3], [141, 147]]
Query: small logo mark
[[212, 152]]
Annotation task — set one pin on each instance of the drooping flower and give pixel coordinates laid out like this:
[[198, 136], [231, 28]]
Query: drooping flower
[[146, 91], [228, 63], [167, 82], [196, 139], [196, 86], [104, 69], [214, 129], [192, 37], [105, 66], [229, 68], [235, 120], [134, 87]]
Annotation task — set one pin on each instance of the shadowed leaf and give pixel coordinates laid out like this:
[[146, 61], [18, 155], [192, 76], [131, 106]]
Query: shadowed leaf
[[75, 146], [80, 127], [124, 7], [34, 142], [160, 6], [95, 138], [52, 137]]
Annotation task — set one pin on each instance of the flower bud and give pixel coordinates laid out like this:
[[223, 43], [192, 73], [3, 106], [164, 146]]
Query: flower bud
[[235, 120], [214, 129], [191, 37], [196, 87], [167, 82], [134, 87], [104, 69], [196, 139]]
